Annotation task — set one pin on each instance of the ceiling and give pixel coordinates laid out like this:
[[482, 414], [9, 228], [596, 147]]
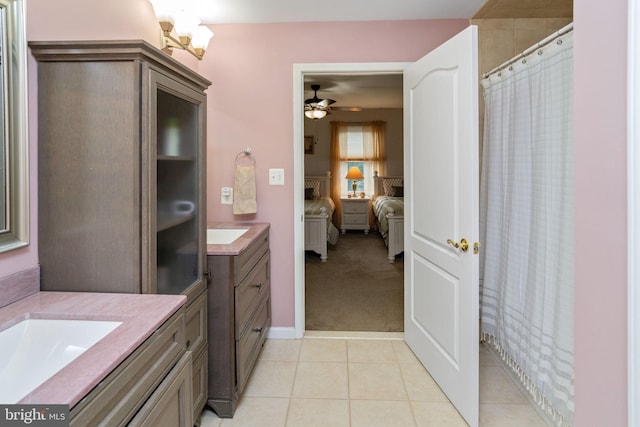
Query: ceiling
[[269, 11], [262, 11], [364, 91]]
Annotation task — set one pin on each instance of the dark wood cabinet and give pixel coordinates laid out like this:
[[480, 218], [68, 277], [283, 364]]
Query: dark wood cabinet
[[121, 176], [239, 319]]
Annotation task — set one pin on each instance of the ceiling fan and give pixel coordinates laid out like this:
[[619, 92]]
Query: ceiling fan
[[316, 108]]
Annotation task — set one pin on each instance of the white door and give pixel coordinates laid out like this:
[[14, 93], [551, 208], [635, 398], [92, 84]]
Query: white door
[[441, 204]]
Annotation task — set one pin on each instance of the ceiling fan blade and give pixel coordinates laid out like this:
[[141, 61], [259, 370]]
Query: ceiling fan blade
[[347, 108], [315, 101]]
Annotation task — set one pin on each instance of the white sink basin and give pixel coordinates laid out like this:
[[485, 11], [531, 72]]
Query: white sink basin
[[224, 236], [33, 350]]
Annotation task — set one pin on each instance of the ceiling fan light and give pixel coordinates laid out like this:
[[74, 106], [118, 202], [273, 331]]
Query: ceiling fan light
[[315, 114], [316, 108]]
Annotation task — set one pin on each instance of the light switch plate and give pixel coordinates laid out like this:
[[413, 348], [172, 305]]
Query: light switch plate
[[276, 176]]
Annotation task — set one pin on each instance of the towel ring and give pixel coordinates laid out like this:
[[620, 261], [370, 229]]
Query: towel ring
[[246, 152]]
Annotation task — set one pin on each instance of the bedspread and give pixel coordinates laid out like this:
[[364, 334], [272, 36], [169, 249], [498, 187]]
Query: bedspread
[[313, 207], [382, 205]]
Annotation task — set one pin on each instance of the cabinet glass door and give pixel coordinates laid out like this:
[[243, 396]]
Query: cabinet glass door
[[178, 210]]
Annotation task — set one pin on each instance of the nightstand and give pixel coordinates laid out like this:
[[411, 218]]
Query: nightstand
[[355, 214]]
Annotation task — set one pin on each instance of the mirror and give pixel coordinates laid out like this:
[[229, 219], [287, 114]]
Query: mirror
[[14, 162]]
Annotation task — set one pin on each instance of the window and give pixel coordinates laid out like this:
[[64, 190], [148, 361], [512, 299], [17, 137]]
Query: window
[[358, 145]]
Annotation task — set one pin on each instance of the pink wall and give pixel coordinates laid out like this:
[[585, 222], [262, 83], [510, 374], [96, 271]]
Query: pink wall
[[600, 219], [251, 105], [91, 20]]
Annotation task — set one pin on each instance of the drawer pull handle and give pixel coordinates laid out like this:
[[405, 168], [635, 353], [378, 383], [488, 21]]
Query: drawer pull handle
[[258, 330], [259, 286], [188, 343]]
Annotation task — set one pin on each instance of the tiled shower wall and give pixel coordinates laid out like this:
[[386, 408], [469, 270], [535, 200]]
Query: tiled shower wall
[[501, 39]]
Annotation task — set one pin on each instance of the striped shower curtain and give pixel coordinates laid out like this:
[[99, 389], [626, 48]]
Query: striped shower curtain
[[526, 214]]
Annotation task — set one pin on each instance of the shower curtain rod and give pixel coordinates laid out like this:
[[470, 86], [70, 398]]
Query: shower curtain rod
[[561, 32]]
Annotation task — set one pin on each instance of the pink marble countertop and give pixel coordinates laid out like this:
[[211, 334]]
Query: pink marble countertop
[[140, 315], [241, 243]]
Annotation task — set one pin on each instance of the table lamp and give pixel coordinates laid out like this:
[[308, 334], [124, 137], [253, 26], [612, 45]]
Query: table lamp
[[354, 174]]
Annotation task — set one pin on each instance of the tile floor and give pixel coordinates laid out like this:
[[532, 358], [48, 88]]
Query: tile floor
[[373, 380]]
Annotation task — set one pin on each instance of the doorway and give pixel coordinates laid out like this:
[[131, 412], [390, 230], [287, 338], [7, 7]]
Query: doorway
[[300, 71], [355, 289]]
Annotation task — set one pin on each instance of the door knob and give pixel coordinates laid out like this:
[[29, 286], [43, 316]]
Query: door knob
[[463, 245]]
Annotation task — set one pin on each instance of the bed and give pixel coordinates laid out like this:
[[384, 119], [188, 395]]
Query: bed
[[318, 212], [388, 209]]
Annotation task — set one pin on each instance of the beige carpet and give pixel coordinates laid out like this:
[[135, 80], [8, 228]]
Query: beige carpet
[[356, 289]]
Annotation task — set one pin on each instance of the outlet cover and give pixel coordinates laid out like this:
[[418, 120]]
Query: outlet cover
[[226, 195]]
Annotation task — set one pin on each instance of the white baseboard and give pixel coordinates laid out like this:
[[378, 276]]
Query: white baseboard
[[282, 333], [289, 333]]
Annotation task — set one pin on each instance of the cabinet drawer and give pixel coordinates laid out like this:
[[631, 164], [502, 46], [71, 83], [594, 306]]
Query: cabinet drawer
[[351, 219], [197, 324], [117, 398], [356, 208], [249, 292], [249, 345], [250, 256], [170, 405]]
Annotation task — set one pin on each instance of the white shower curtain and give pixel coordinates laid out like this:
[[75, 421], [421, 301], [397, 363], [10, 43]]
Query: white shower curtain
[[526, 214]]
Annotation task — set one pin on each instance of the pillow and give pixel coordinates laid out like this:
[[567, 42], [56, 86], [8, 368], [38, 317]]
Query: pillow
[[308, 193], [396, 191]]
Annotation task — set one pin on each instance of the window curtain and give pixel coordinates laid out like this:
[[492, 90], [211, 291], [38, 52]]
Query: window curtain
[[526, 220], [371, 152]]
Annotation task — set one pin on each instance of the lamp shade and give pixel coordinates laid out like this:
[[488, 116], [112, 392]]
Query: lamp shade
[[164, 9], [185, 22], [354, 173], [200, 37]]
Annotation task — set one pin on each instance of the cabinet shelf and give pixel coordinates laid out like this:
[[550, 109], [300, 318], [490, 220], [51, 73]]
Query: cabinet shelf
[[163, 157], [169, 221]]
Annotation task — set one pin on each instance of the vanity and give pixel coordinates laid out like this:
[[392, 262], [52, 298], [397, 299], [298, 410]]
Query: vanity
[[135, 374], [239, 301]]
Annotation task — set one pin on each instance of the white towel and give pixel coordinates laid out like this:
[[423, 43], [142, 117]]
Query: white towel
[[245, 191]]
